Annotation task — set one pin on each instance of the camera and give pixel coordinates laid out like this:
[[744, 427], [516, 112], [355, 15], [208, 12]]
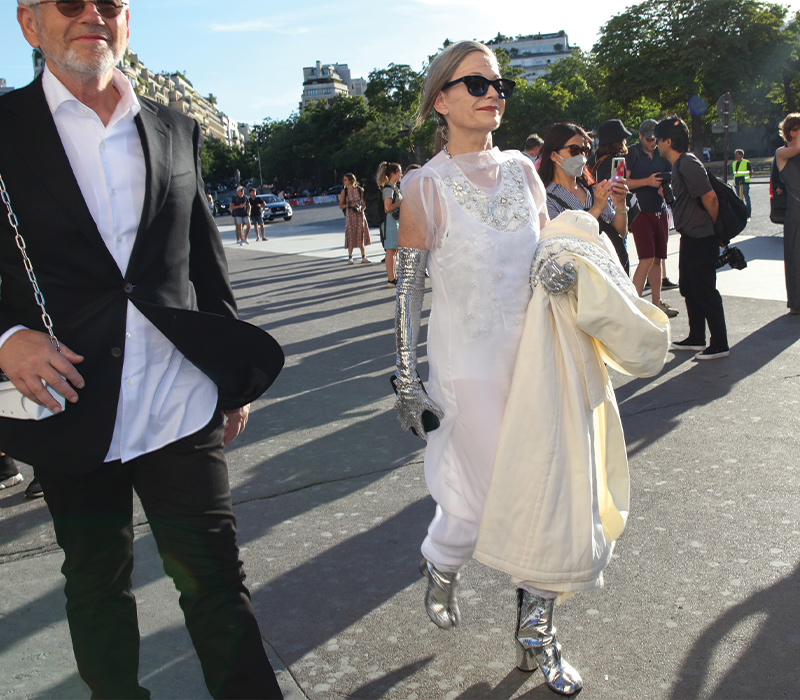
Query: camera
[[732, 256], [666, 188]]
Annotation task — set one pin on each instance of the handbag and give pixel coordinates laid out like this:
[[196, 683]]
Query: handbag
[[777, 200], [13, 403]]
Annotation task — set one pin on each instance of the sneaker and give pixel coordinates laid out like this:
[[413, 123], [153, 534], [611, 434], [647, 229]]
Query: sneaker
[[10, 481], [9, 473], [711, 354], [667, 283], [667, 309], [34, 489], [687, 345], [349, 261], [365, 261]]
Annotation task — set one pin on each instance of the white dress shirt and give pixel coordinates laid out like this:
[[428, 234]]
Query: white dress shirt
[[163, 397]]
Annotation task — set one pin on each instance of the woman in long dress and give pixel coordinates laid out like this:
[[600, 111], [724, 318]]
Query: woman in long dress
[[472, 216], [788, 160], [356, 229]]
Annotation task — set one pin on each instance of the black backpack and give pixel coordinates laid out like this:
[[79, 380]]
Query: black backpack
[[373, 206], [732, 218]]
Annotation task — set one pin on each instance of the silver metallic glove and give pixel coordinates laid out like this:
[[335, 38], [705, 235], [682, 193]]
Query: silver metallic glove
[[556, 279], [412, 400]]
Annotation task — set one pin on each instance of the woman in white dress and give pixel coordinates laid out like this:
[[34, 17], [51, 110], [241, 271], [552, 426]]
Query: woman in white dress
[[472, 216]]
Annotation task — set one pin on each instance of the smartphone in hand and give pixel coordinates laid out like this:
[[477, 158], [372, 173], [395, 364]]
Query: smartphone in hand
[[617, 169]]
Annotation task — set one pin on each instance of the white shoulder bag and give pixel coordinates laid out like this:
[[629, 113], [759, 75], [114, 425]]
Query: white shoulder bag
[[13, 404]]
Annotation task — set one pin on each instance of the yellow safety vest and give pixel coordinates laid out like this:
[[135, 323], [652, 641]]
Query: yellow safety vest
[[742, 169]]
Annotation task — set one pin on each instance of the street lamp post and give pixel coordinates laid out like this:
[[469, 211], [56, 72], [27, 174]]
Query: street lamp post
[[258, 158]]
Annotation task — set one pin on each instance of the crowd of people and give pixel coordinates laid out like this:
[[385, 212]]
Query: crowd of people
[[525, 253]]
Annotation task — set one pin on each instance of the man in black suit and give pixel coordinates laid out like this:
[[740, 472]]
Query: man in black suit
[[107, 190]]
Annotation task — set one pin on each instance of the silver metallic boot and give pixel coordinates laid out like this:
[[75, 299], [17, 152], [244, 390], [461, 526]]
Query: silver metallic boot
[[537, 645], [441, 602]]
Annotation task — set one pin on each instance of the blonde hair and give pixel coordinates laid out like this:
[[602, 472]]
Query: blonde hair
[[439, 73], [385, 170], [352, 178]]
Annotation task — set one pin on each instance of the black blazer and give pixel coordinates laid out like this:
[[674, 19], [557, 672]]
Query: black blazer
[[177, 277]]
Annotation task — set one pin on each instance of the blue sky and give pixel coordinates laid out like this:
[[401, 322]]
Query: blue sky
[[251, 53]]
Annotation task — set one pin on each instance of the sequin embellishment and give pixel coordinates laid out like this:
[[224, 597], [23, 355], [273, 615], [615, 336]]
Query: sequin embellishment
[[506, 210]]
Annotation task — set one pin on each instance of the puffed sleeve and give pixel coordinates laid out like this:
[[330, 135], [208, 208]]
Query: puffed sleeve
[[536, 188], [425, 205]]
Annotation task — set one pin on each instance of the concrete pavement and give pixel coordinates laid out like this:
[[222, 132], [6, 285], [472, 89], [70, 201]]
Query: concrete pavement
[[702, 599]]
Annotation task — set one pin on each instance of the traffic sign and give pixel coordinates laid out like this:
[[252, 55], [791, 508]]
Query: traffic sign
[[719, 127], [725, 104]]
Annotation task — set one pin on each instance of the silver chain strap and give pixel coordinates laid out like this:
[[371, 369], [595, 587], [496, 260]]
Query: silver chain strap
[[37, 293]]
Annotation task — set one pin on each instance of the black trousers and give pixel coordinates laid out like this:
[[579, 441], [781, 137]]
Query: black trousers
[[185, 493], [698, 285]]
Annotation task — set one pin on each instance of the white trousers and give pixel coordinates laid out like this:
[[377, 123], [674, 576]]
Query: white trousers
[[451, 542]]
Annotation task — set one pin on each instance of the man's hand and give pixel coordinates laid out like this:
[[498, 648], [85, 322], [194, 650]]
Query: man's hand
[[654, 180], [234, 423], [28, 359]]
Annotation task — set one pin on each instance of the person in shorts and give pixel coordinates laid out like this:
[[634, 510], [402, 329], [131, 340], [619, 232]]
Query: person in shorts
[[239, 212], [644, 167], [256, 215]]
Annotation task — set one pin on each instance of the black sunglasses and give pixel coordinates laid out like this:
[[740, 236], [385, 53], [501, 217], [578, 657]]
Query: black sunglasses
[[575, 150], [75, 8], [478, 86]]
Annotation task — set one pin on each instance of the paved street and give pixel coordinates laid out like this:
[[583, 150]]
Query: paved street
[[702, 599]]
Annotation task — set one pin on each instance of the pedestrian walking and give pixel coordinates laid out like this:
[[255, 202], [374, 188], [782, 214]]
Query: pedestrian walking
[[133, 271], [787, 159], [471, 218], [241, 215], [356, 229], [389, 175], [256, 207]]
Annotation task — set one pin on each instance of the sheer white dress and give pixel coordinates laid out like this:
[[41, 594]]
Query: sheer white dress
[[482, 214]]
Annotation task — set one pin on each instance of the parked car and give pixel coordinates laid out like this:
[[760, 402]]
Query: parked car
[[336, 189], [275, 207], [223, 206]]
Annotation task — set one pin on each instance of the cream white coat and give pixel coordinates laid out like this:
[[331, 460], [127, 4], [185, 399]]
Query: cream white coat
[[559, 495]]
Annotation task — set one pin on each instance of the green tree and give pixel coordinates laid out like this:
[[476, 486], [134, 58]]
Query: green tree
[[219, 161], [579, 78], [670, 50], [394, 90]]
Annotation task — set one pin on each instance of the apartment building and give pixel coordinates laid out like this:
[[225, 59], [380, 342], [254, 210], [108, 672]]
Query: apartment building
[[175, 90], [323, 82], [535, 53]]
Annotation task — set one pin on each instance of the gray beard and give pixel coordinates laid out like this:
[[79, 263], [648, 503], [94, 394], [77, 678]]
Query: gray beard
[[98, 65]]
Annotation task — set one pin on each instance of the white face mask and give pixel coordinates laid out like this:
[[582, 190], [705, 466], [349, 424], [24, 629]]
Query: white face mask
[[574, 165]]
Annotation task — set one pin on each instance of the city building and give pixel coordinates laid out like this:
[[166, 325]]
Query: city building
[[534, 53], [323, 82], [175, 90], [3, 87]]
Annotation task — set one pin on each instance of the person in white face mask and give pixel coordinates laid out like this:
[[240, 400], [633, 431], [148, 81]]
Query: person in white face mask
[[570, 185]]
